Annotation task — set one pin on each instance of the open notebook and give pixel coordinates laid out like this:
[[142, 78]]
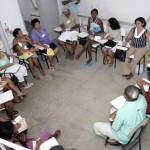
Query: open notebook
[[118, 102], [46, 145], [21, 121], [99, 40]]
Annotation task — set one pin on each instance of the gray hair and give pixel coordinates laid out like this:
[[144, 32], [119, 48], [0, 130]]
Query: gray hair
[[131, 92]]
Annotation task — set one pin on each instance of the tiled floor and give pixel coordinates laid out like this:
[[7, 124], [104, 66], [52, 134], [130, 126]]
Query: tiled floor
[[72, 98]]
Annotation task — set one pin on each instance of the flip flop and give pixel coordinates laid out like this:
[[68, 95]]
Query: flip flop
[[110, 64], [15, 112], [36, 77]]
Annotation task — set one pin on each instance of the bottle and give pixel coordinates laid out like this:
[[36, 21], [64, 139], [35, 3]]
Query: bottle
[[6, 28]]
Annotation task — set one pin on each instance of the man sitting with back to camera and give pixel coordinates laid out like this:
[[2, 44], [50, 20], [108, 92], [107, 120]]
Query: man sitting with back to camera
[[125, 119], [69, 23]]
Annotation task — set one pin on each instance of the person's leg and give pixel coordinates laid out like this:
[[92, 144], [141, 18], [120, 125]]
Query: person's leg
[[37, 64], [83, 50], [105, 52], [31, 65], [111, 55], [73, 47], [125, 65], [91, 42], [10, 108], [104, 129], [139, 53], [63, 45], [12, 86]]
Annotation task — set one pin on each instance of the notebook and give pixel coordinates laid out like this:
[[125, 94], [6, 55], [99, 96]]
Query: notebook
[[118, 102], [99, 40], [82, 34], [21, 121], [110, 43], [26, 55], [6, 96], [47, 144]]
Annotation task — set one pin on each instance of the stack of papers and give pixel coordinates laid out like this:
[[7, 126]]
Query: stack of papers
[[58, 29], [6, 96], [99, 40], [118, 102], [22, 122]]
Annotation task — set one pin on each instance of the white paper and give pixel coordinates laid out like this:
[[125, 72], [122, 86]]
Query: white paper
[[118, 102], [48, 144], [11, 59], [148, 65], [82, 34], [18, 119], [146, 87], [6, 96], [58, 29], [99, 40]]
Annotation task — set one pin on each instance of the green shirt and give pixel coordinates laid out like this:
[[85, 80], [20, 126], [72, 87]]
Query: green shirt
[[4, 61], [128, 117]]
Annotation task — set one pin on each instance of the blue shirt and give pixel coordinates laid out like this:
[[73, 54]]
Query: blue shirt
[[128, 117]]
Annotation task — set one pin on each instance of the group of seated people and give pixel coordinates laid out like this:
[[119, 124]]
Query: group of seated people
[[40, 41]]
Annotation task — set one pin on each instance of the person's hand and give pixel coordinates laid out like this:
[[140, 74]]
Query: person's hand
[[140, 83], [38, 144], [9, 65], [113, 115], [124, 43], [89, 32], [46, 47]]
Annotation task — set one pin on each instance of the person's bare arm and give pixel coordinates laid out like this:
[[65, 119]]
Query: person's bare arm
[[141, 85], [4, 67], [148, 36], [129, 36], [88, 26], [74, 27]]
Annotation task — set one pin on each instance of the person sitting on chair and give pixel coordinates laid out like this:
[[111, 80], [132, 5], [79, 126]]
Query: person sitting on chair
[[138, 37], [114, 33], [20, 74], [69, 23], [9, 131], [125, 119], [41, 37], [141, 84], [23, 43], [7, 84], [94, 28]]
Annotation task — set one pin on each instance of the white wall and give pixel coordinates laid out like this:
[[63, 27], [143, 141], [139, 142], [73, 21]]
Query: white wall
[[10, 14], [49, 15], [26, 7]]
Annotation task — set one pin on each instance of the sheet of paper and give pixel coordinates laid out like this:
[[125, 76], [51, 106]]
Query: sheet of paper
[[58, 29], [99, 40], [48, 144], [6, 96], [83, 34], [118, 102]]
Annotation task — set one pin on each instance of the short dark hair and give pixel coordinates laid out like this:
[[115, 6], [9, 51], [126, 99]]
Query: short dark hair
[[57, 147], [131, 92], [34, 21], [94, 10], [16, 31], [114, 24], [6, 130], [142, 20]]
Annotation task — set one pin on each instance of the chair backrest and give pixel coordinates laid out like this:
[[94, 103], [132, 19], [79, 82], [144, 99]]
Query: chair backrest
[[11, 145], [123, 32], [137, 130]]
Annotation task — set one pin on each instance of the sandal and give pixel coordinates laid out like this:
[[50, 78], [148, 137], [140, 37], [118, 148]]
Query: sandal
[[67, 55], [18, 101], [110, 64], [129, 76], [22, 95], [52, 68], [105, 61]]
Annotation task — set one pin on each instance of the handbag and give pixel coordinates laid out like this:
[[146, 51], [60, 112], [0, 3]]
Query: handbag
[[121, 55]]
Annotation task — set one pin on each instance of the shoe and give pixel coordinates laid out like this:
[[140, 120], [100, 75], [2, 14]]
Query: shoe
[[129, 76], [89, 64], [28, 85]]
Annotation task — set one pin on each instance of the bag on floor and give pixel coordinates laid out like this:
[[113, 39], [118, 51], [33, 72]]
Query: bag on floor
[[121, 55]]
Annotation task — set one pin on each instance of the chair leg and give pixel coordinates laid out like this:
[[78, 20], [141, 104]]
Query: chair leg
[[123, 147], [46, 61], [96, 55], [139, 69], [115, 62], [139, 143], [144, 64], [106, 141], [40, 64], [57, 59]]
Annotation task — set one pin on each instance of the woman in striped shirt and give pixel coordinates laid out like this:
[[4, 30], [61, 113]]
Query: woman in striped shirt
[[137, 37]]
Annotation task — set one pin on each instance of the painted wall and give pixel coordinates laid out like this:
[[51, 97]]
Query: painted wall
[[10, 13], [49, 15], [26, 7]]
